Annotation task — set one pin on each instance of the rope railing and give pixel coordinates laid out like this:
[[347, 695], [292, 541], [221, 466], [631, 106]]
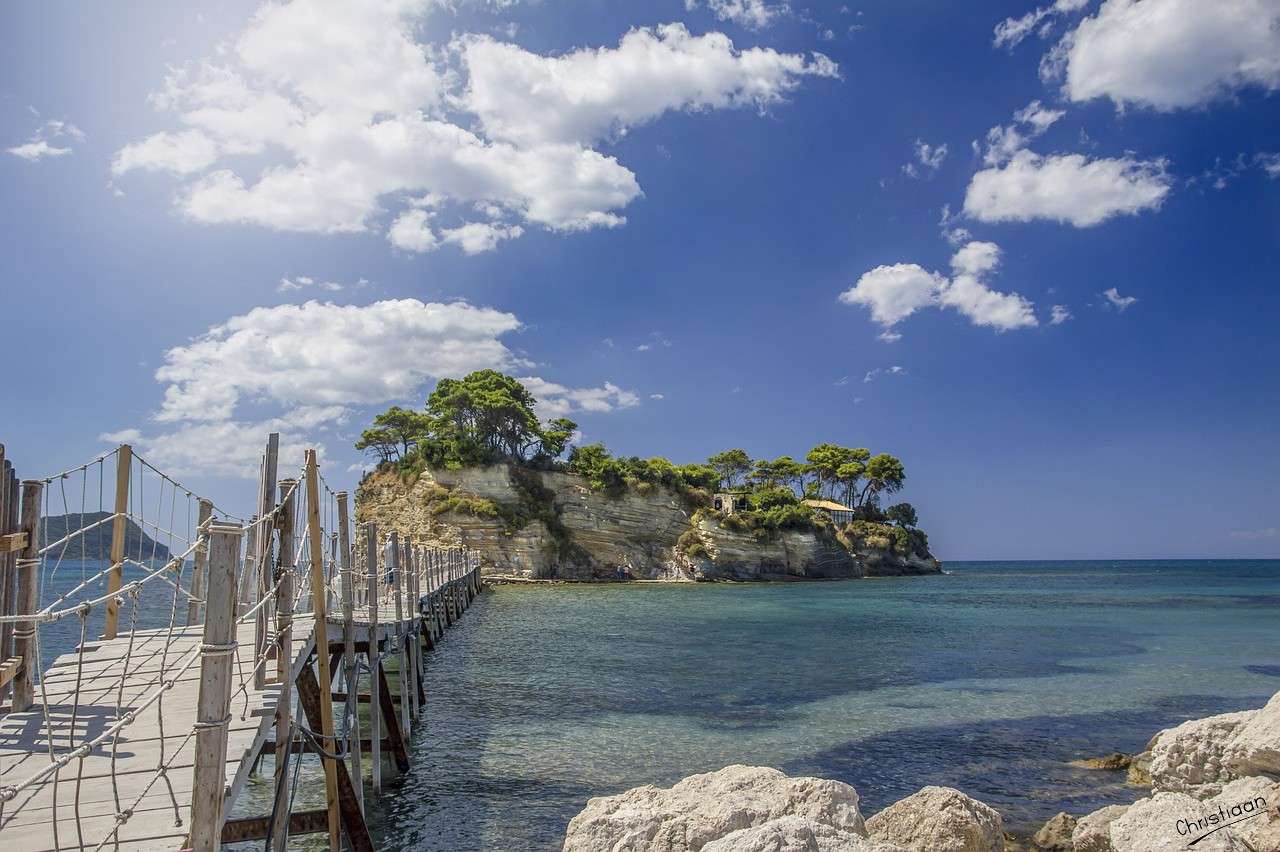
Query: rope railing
[[289, 556]]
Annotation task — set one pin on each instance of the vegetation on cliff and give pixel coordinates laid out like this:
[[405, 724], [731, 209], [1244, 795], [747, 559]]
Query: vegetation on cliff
[[488, 418]]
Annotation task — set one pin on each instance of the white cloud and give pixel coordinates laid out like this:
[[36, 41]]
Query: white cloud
[[178, 153], [873, 374], [893, 293], [227, 447], [753, 14], [589, 94], [1067, 188], [1120, 303], [556, 400], [1003, 141], [657, 396], [1058, 314], [928, 156], [38, 146], [1270, 163], [477, 237], [1011, 31], [319, 353], [302, 282], [348, 116], [1170, 54]]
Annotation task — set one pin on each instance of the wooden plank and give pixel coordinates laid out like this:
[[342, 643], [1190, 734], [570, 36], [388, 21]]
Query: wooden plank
[[266, 509], [8, 563], [351, 670], [115, 578], [319, 599], [388, 714], [13, 542], [214, 692], [241, 829], [283, 577], [375, 726]]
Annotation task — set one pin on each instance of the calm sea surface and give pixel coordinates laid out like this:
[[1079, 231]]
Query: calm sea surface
[[988, 679]]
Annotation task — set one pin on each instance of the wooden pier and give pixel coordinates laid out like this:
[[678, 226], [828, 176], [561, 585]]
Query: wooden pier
[[147, 738]]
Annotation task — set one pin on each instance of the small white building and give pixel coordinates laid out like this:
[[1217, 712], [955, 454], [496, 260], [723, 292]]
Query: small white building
[[838, 512], [730, 502]]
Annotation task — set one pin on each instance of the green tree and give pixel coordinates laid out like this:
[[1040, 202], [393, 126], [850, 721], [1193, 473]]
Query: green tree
[[731, 466], [556, 436], [902, 514], [885, 474], [402, 426], [700, 476], [825, 462], [379, 441], [486, 412]]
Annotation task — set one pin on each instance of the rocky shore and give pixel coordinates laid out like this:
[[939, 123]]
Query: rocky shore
[[546, 525], [1214, 783]]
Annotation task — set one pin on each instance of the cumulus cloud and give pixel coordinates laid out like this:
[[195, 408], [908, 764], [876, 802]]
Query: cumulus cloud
[[347, 116], [51, 139], [893, 293], [589, 94], [1069, 188], [1003, 141], [1170, 54], [313, 364], [753, 14], [1058, 314], [1115, 300], [556, 400], [319, 353]]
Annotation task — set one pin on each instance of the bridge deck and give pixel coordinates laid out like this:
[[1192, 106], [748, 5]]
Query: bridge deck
[[83, 796]]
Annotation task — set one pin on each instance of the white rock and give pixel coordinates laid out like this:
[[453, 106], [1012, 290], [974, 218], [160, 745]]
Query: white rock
[[1190, 758], [703, 808], [939, 819], [1255, 748], [795, 834], [1093, 832], [1253, 805], [1166, 822]]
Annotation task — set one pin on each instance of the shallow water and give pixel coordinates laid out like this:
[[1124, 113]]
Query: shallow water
[[988, 679]]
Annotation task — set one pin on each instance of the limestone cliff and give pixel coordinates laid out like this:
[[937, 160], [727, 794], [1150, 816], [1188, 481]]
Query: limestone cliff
[[550, 525]]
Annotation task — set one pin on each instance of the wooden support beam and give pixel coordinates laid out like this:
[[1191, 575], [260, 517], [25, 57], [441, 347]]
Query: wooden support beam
[[13, 542], [9, 499], [398, 749], [244, 829], [314, 698], [305, 747], [214, 701], [115, 578], [319, 599]]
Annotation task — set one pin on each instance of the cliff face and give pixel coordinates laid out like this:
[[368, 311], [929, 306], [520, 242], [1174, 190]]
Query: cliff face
[[543, 525]]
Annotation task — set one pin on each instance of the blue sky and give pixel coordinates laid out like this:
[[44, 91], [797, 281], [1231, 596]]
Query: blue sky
[[727, 223]]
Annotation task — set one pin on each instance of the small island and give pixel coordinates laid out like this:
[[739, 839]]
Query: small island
[[478, 468]]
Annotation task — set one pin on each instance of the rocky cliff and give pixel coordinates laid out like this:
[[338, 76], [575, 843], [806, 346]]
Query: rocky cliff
[[549, 525]]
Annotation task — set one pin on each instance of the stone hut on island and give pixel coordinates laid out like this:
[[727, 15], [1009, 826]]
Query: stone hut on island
[[730, 502], [839, 513]]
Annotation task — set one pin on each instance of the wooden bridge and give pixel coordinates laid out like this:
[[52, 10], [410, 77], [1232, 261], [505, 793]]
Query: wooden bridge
[[276, 640]]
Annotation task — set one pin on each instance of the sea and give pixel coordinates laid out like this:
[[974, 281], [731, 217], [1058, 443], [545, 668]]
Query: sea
[[989, 678]]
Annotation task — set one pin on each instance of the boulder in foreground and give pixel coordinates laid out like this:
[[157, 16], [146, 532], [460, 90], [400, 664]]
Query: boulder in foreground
[[1255, 747], [1191, 757], [796, 834], [939, 819], [707, 807]]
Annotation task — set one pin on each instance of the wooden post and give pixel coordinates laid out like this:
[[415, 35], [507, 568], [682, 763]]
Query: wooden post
[[411, 634], [351, 677], [396, 564], [214, 702], [119, 529], [249, 573], [198, 566], [318, 599], [8, 524], [266, 509], [28, 568], [375, 723], [283, 579]]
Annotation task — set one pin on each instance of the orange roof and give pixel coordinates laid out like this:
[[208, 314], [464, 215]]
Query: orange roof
[[829, 505]]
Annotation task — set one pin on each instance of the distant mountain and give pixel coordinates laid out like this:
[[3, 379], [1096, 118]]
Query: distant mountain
[[96, 543]]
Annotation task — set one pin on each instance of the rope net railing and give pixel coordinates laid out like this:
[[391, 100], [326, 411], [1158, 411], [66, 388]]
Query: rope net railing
[[116, 575]]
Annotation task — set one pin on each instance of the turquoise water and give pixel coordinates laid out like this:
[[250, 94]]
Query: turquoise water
[[988, 679]]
